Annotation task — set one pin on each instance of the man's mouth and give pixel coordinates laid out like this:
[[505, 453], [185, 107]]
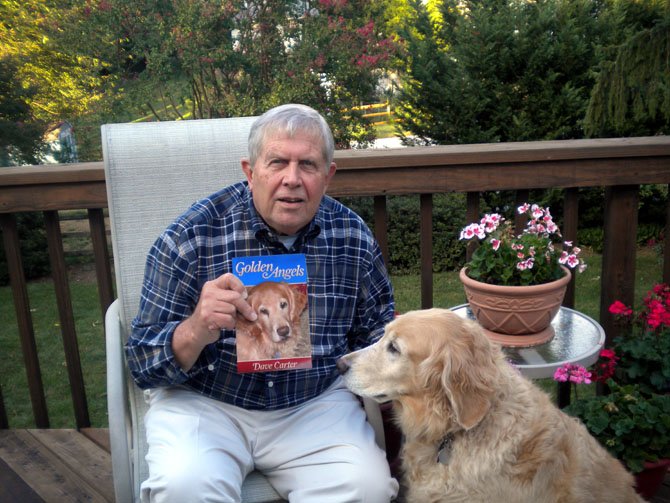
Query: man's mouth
[[291, 200]]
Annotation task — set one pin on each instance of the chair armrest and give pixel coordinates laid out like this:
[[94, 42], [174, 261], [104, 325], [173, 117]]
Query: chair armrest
[[374, 414], [117, 406]]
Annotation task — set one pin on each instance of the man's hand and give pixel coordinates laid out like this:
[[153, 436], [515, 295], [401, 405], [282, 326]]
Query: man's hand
[[222, 300]]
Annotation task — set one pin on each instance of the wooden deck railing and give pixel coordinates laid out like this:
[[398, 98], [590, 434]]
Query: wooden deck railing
[[618, 165]]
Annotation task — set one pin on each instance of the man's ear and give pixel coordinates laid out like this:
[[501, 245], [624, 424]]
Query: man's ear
[[331, 173], [248, 171]]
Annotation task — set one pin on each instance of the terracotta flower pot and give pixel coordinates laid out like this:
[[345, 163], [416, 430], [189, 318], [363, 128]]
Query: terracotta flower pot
[[649, 480], [516, 315]]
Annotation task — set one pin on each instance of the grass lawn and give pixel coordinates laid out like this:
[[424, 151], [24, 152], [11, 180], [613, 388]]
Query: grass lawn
[[447, 292]]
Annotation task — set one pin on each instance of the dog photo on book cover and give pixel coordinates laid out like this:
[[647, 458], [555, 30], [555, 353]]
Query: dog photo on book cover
[[279, 339]]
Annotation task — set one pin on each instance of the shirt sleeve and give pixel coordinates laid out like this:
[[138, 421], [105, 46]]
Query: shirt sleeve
[[375, 306], [167, 298]]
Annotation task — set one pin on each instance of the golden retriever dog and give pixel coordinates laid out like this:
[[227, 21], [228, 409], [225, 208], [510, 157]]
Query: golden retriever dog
[[277, 332], [475, 429]]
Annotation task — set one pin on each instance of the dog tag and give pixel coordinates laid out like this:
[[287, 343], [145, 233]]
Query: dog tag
[[443, 455], [444, 450]]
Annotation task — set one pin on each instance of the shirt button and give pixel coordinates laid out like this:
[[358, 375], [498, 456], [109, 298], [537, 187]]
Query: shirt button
[[210, 367], [270, 384]]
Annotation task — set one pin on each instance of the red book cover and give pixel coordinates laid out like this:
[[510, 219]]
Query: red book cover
[[277, 290]]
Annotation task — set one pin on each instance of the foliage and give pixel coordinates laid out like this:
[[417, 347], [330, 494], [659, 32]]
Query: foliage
[[498, 70], [631, 95], [529, 258], [633, 420], [633, 426], [644, 344], [20, 132], [403, 230], [53, 81], [213, 58], [33, 242]]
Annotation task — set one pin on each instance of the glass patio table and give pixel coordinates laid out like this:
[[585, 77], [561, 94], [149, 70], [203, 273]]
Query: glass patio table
[[578, 339]]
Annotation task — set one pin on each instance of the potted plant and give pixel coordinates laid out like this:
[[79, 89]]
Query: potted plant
[[515, 284], [629, 421], [644, 343]]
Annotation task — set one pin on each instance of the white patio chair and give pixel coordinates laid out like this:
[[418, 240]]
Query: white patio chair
[[154, 171]]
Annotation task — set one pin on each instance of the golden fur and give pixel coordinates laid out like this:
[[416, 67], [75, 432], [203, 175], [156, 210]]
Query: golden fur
[[277, 333], [510, 442]]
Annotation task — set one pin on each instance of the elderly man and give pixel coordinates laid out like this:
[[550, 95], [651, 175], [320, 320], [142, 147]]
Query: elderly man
[[208, 425]]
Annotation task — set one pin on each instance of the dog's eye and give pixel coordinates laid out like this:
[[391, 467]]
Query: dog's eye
[[264, 310], [393, 347], [283, 304]]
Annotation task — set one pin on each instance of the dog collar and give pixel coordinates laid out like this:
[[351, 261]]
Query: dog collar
[[444, 449]]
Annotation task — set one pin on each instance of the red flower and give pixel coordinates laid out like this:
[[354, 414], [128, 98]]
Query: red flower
[[620, 309], [605, 366]]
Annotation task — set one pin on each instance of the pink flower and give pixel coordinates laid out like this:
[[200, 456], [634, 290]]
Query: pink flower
[[491, 221], [573, 261], [495, 243], [536, 211], [523, 208], [573, 373], [471, 231]]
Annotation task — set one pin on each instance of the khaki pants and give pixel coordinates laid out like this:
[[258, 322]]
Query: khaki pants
[[322, 451]]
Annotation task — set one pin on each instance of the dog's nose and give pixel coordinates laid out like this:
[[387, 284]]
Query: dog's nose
[[284, 332], [342, 366]]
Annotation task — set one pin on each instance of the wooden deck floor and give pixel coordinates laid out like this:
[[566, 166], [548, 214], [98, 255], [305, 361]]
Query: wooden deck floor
[[56, 466], [63, 466]]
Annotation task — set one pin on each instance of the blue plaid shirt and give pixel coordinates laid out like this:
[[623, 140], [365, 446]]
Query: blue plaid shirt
[[350, 298]]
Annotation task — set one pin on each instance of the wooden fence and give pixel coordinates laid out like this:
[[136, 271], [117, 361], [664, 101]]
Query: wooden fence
[[619, 165]]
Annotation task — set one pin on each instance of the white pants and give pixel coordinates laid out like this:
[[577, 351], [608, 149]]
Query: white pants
[[322, 451]]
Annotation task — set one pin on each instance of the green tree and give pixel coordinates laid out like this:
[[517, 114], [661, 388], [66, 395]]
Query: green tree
[[631, 96], [52, 81], [20, 133], [498, 70], [220, 58]]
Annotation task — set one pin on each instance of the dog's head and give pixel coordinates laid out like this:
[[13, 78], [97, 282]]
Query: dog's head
[[278, 307], [431, 358]]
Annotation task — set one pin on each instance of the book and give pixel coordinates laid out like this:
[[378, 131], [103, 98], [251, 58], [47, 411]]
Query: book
[[277, 290]]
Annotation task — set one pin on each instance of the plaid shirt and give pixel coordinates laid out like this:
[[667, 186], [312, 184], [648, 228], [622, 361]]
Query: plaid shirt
[[350, 298]]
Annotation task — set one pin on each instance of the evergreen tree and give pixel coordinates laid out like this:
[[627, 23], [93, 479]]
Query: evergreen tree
[[631, 96], [498, 70]]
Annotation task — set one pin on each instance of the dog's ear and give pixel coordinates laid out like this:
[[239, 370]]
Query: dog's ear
[[470, 373], [299, 303]]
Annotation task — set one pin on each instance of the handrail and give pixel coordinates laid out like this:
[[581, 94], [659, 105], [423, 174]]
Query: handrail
[[618, 164]]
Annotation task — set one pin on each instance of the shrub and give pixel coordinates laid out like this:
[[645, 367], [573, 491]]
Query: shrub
[[34, 253]]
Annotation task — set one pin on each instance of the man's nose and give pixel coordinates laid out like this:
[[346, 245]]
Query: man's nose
[[292, 174]]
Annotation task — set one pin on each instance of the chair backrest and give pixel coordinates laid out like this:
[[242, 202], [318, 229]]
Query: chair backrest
[[154, 171]]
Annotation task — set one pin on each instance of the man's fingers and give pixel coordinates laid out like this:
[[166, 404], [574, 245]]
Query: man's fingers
[[245, 309], [229, 281]]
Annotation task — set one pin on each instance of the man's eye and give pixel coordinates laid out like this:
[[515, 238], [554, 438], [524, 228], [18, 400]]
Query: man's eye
[[308, 166]]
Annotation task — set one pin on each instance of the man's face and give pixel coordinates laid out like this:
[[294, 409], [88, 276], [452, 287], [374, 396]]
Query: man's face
[[288, 180]]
